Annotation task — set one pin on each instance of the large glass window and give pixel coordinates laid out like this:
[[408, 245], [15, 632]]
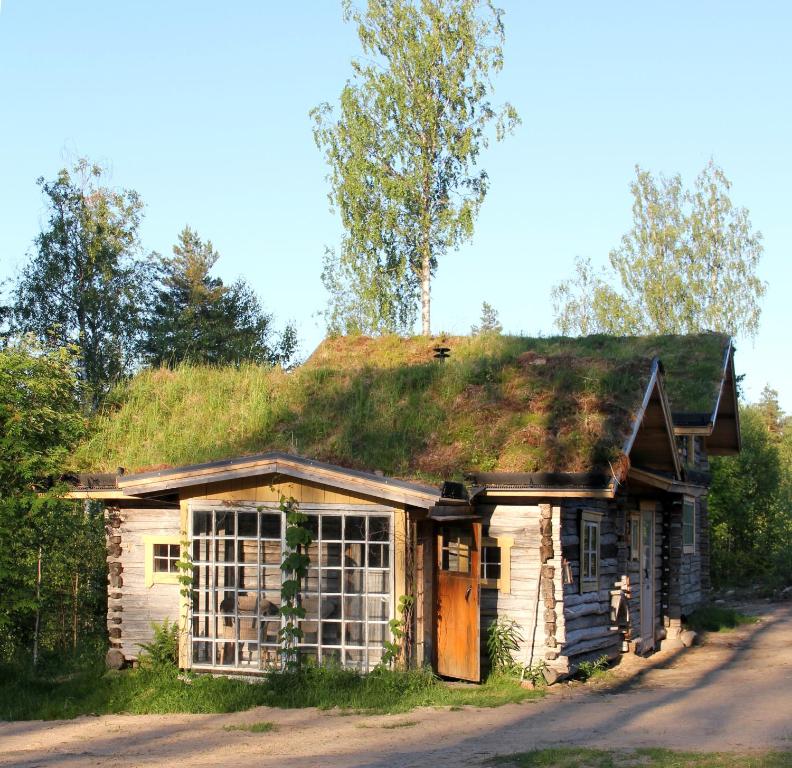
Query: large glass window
[[237, 579]]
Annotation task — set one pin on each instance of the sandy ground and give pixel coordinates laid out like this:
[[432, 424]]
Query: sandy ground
[[734, 693]]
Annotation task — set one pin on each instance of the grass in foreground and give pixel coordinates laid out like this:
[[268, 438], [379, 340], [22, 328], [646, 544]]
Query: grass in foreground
[[26, 696], [578, 757], [715, 618]]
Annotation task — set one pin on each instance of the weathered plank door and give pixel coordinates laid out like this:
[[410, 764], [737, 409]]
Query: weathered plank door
[[457, 613], [647, 579]]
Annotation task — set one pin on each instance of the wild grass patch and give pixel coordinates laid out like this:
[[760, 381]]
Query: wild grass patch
[[583, 757], [716, 618], [26, 695], [263, 727]]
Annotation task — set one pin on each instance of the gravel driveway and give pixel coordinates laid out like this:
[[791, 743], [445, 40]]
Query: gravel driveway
[[733, 693]]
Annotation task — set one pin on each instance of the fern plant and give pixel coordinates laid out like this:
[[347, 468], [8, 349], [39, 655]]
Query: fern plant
[[163, 650]]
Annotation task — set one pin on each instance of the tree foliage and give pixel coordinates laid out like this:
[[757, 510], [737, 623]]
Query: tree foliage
[[687, 264], [403, 152], [41, 420], [196, 317], [84, 284], [751, 500], [489, 322]]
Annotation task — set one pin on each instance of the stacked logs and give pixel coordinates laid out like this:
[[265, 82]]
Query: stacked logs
[[547, 580], [115, 581]]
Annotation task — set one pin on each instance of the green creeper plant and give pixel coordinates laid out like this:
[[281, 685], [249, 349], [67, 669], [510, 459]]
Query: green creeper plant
[[295, 567], [393, 650], [403, 153]]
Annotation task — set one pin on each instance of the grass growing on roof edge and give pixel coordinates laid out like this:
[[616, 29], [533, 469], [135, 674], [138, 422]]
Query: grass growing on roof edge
[[499, 403], [25, 695]]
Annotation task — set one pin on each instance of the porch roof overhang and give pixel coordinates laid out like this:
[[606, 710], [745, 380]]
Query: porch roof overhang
[[171, 481], [665, 483]]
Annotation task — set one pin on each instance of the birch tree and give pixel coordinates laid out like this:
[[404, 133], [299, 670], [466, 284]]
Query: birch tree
[[403, 150], [689, 263]]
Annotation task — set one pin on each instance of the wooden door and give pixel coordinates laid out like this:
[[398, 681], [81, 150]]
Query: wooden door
[[647, 580], [457, 613]]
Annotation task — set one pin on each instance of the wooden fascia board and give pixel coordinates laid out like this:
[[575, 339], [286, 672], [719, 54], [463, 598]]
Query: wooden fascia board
[[547, 493], [638, 420], [315, 474], [697, 431], [667, 484], [669, 426], [110, 494]]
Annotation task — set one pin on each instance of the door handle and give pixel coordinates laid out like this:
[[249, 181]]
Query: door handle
[[468, 591]]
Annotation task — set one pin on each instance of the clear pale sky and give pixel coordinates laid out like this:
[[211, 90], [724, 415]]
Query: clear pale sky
[[202, 107]]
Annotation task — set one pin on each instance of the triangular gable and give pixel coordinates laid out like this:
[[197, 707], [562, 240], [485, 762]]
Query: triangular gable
[[651, 444], [721, 426]]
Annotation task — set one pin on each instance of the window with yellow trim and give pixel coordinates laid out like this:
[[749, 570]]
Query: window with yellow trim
[[496, 562], [162, 555]]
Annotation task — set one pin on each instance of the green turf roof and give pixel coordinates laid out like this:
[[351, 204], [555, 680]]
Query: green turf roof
[[499, 403]]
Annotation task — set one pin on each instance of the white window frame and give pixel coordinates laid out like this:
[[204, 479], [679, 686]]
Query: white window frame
[[590, 521], [342, 510], [689, 547]]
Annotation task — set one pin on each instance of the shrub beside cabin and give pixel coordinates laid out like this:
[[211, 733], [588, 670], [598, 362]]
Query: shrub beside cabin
[[557, 482]]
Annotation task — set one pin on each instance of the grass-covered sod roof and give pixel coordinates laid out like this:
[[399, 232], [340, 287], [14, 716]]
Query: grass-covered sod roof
[[502, 403]]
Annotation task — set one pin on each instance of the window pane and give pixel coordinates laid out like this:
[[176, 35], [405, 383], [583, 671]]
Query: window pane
[[202, 523], [312, 525], [331, 527], [378, 581], [353, 555], [331, 581], [331, 554], [353, 608], [353, 581], [354, 633], [355, 528], [331, 633], [201, 549], [331, 607], [247, 523], [379, 529], [270, 525], [378, 556], [378, 608], [378, 634], [224, 522]]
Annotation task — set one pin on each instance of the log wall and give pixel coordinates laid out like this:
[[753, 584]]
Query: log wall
[[131, 605]]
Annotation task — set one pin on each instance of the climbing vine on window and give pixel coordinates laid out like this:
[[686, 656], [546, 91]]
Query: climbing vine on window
[[295, 568], [393, 650]]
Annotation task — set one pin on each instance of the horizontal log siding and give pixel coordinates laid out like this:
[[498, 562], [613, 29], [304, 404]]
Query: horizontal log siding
[[130, 600], [587, 630]]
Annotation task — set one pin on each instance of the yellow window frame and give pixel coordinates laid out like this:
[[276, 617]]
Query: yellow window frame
[[504, 543], [153, 577]]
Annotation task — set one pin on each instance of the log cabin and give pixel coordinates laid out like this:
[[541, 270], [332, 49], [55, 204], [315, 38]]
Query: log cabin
[[558, 483]]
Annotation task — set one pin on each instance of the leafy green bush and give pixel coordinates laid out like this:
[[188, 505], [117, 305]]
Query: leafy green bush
[[588, 669], [163, 650]]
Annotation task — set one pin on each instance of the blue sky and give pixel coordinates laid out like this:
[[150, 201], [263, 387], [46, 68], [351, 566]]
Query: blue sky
[[202, 107]]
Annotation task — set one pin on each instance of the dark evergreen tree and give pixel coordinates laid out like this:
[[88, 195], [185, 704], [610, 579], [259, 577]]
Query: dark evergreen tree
[[196, 317]]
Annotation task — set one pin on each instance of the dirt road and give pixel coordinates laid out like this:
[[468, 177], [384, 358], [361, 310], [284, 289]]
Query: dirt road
[[732, 694]]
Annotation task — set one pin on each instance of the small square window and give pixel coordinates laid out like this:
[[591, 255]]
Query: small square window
[[162, 554]]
